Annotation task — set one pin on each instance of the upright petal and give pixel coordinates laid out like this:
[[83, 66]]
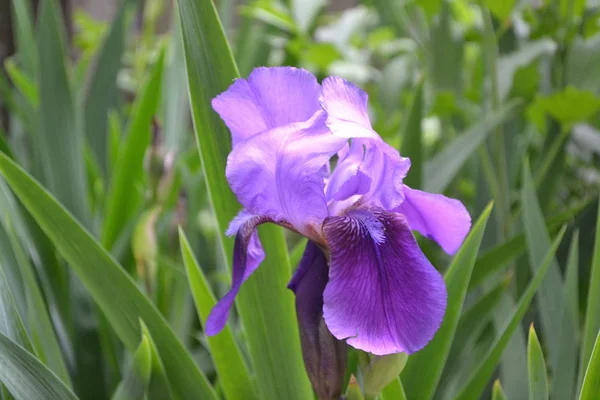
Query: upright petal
[[324, 355], [370, 163], [279, 173], [437, 217], [269, 98], [383, 295], [247, 256]]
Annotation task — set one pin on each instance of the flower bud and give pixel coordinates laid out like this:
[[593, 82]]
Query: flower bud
[[382, 370]]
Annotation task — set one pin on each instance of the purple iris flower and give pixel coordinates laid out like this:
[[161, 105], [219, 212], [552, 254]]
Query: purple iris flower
[[306, 157]]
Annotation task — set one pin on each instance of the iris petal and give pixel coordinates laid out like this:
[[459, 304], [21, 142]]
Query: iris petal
[[368, 155], [269, 98], [279, 173], [382, 297], [247, 256], [437, 217]]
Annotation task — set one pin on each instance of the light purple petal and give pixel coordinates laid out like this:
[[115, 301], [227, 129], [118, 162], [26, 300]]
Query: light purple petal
[[279, 173], [437, 217], [346, 106], [324, 355], [269, 98], [382, 297], [247, 256], [369, 167]]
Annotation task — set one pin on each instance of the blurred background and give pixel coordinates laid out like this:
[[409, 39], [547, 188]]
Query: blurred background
[[492, 101]]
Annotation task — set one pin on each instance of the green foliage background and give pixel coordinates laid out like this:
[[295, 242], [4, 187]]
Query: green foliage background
[[114, 203]]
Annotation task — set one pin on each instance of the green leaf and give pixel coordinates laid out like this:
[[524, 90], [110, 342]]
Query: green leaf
[[103, 91], [564, 378], [501, 9], [497, 392], [536, 367], [411, 139], [122, 199], [265, 306], [570, 105], [500, 256], [11, 323], [233, 373], [24, 36], [114, 291], [550, 298], [393, 391], [60, 140], [26, 378], [137, 378], [24, 83], [590, 390], [474, 387], [592, 316], [443, 167], [424, 369]]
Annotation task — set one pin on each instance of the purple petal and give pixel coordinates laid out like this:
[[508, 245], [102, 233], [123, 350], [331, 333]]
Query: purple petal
[[346, 107], [279, 173], [271, 97], [437, 217], [324, 355], [370, 167], [247, 256], [382, 297]]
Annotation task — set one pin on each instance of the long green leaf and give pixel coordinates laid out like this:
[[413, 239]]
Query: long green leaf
[[424, 369], [137, 378], [474, 387], [233, 373], [590, 390], [114, 291], [24, 36], [444, 166], [26, 378], [536, 366], [497, 392], [11, 323], [500, 256], [265, 306], [122, 199], [565, 375], [550, 299], [60, 140], [393, 391], [103, 91], [412, 145], [592, 316]]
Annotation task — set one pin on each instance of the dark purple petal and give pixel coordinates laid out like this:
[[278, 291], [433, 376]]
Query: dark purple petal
[[247, 256], [324, 355], [369, 167], [280, 173], [382, 297], [269, 98], [437, 217]]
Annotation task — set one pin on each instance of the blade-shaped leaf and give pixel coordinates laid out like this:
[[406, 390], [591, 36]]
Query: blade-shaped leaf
[[592, 316], [536, 366], [444, 166], [232, 372], [550, 298], [137, 378], [590, 389], [265, 306], [26, 378], [103, 91], [60, 140], [564, 378], [424, 369], [121, 199], [481, 375], [497, 392], [393, 391], [412, 145], [114, 291]]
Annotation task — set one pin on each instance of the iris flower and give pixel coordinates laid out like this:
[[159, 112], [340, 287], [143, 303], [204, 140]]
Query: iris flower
[[306, 157]]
